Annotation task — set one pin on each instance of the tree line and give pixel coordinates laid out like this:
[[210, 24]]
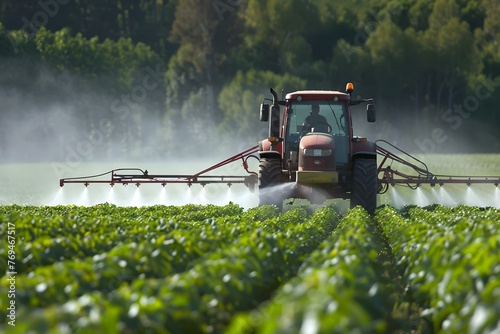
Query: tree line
[[163, 70]]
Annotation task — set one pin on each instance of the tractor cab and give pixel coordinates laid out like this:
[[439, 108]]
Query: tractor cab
[[321, 125]]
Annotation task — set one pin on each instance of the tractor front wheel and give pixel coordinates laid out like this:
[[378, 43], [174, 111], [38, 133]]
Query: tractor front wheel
[[269, 178], [364, 184]]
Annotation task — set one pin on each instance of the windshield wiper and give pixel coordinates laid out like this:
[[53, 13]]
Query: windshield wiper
[[336, 120]]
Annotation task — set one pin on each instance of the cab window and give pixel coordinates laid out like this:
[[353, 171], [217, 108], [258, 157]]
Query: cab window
[[332, 111]]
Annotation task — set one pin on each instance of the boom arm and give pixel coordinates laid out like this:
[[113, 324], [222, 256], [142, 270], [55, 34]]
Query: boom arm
[[389, 176], [138, 176]]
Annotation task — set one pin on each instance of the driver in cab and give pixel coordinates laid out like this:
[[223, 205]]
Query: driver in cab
[[315, 121]]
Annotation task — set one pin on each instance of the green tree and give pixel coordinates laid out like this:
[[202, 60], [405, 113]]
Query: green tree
[[119, 61], [455, 55], [195, 26], [183, 89], [386, 46], [419, 14], [16, 43], [491, 31], [401, 64], [488, 41], [351, 63], [443, 12], [115, 72], [276, 34], [240, 99]]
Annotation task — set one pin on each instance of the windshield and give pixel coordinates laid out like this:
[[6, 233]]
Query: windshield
[[304, 115]]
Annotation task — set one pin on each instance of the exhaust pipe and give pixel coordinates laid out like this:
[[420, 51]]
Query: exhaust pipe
[[275, 97]]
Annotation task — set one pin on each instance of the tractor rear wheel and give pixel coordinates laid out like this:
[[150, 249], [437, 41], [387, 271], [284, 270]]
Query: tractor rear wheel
[[364, 184], [269, 177]]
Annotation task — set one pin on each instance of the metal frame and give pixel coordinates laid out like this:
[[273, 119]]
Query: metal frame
[[143, 177], [386, 174], [394, 177]]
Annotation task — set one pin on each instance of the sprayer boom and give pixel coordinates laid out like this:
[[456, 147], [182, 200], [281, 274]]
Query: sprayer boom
[[411, 173], [389, 176], [138, 176]]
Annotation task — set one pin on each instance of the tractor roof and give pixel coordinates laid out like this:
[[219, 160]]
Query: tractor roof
[[317, 95]]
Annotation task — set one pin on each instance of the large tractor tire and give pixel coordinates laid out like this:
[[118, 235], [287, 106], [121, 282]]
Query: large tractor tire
[[269, 177], [364, 184]]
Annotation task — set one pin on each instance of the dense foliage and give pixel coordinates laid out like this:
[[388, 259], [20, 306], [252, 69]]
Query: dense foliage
[[433, 66], [214, 269], [449, 259]]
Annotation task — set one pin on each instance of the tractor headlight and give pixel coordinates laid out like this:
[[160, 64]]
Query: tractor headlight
[[315, 152]]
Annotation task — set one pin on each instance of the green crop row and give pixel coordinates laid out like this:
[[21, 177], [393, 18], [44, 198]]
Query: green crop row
[[46, 235], [238, 261], [346, 285], [451, 262], [153, 254], [199, 269]]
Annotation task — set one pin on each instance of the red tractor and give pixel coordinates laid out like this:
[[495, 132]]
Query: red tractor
[[314, 150], [311, 153]]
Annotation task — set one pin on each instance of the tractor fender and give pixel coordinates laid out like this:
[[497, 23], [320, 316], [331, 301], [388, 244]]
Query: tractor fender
[[265, 149], [270, 154], [366, 149]]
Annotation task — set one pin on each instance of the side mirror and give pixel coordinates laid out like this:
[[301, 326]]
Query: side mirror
[[264, 112], [370, 113]]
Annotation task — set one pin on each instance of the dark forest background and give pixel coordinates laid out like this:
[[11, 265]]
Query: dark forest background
[[157, 79]]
